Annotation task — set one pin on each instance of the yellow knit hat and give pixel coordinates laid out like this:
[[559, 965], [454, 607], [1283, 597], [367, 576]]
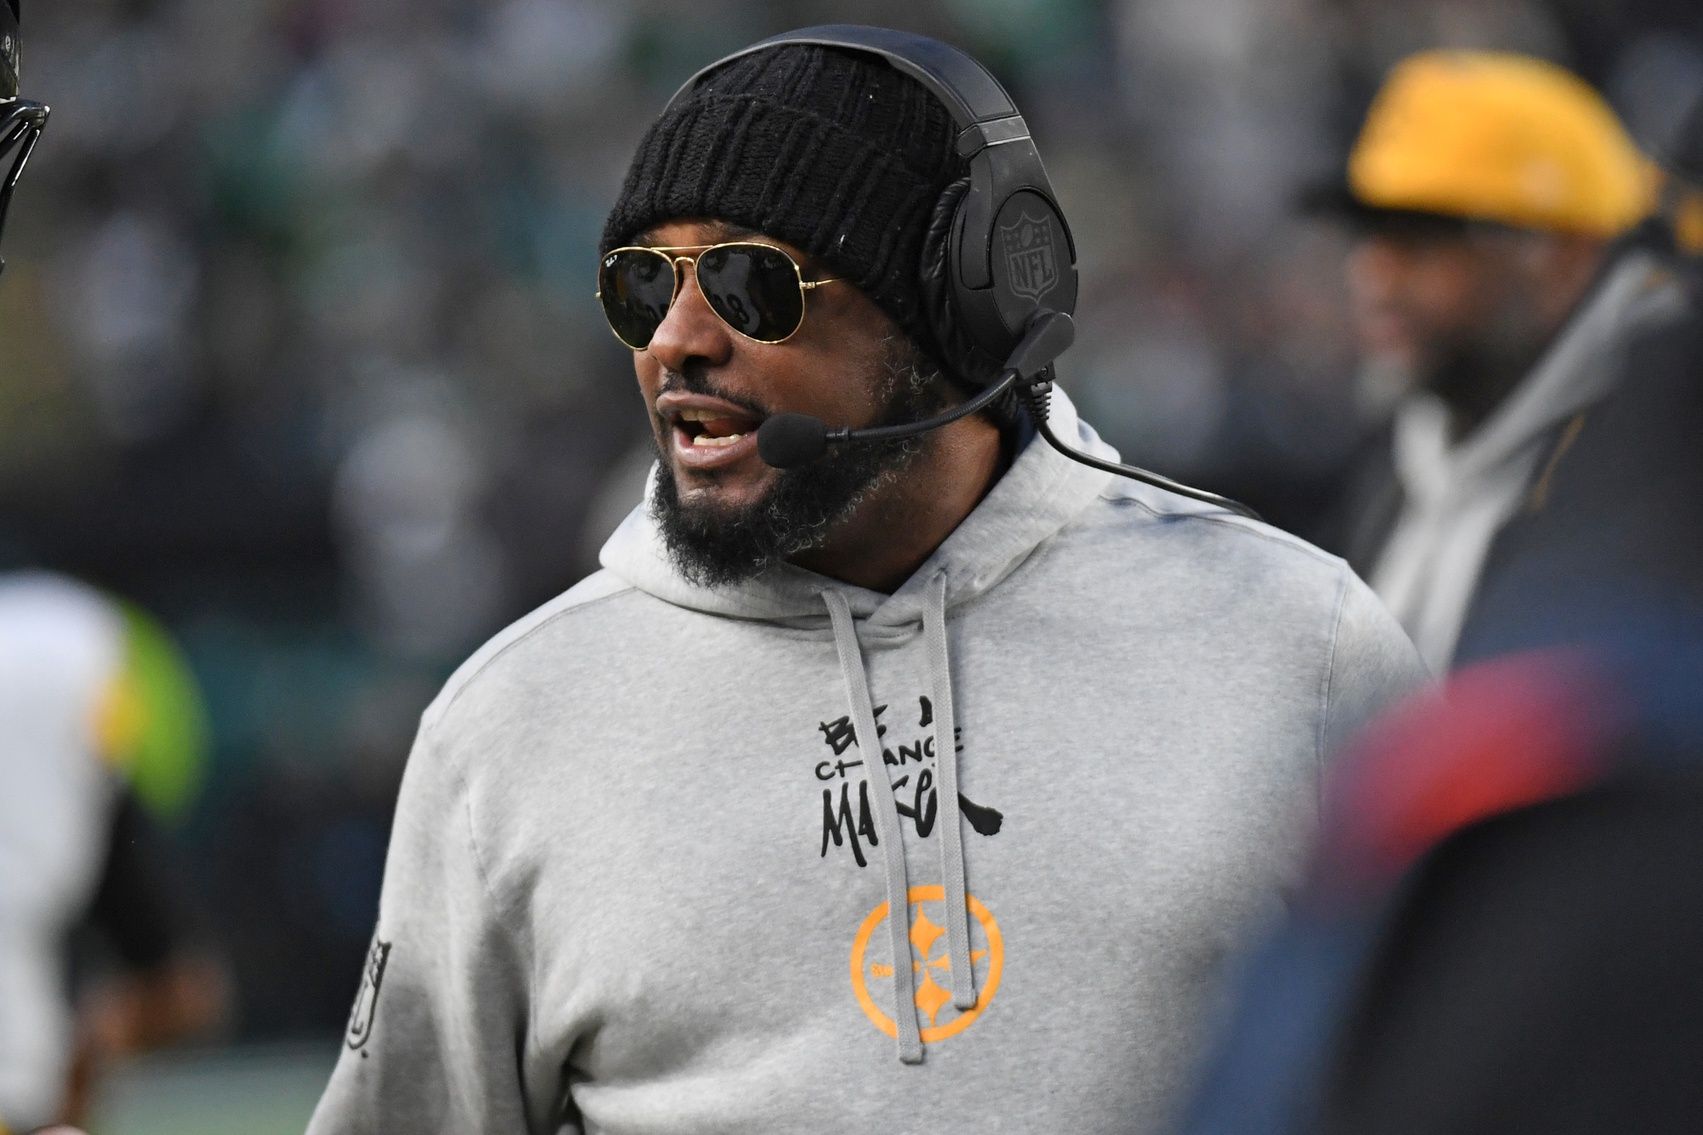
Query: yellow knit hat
[[1688, 221], [1499, 137]]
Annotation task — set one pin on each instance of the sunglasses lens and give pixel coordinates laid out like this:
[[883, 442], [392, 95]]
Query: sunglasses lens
[[636, 286], [754, 288]]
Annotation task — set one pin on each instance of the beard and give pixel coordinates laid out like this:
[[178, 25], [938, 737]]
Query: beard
[[1474, 376], [715, 546]]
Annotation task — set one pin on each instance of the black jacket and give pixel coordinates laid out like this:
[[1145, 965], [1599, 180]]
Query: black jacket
[[1617, 518]]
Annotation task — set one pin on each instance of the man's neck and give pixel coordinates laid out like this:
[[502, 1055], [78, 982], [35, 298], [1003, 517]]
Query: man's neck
[[897, 528]]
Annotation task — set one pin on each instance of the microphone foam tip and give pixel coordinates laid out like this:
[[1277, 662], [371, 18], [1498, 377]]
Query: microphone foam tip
[[788, 440]]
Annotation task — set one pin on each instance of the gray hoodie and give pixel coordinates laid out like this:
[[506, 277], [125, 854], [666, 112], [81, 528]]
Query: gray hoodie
[[642, 881]]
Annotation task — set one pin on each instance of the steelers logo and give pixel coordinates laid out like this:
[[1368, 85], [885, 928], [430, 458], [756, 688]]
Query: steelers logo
[[931, 962]]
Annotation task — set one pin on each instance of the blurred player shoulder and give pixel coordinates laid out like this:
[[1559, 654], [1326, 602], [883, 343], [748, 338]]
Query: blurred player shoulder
[[55, 630], [49, 608]]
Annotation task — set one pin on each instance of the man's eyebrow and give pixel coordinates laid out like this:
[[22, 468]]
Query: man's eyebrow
[[722, 229]]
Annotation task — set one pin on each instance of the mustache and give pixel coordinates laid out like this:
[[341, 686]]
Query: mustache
[[694, 379]]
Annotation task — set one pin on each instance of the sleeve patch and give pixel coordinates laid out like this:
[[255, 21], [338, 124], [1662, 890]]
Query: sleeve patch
[[366, 1001]]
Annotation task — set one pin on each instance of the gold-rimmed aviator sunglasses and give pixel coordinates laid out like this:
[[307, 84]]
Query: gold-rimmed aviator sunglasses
[[756, 289]]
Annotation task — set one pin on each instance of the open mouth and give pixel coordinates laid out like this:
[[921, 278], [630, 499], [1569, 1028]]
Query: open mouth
[[701, 428]]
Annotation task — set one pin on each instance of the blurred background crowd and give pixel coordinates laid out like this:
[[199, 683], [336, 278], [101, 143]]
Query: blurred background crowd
[[300, 352]]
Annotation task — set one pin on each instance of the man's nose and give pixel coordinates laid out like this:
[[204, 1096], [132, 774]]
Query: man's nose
[[690, 330]]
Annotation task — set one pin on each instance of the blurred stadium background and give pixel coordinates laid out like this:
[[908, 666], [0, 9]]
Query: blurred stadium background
[[300, 353]]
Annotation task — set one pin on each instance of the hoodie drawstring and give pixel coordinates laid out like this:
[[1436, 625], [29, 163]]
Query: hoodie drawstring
[[887, 814], [951, 815], [886, 825]]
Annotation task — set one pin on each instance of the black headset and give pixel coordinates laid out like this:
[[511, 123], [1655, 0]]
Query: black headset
[[1009, 251], [1009, 263]]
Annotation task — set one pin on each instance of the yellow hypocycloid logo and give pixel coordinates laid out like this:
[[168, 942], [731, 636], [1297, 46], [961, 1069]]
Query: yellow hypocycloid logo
[[929, 959]]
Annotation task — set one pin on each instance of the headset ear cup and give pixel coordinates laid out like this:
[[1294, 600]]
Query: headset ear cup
[[959, 355]]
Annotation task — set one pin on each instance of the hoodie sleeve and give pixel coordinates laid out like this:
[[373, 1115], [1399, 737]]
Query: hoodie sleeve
[[437, 1040], [1372, 666]]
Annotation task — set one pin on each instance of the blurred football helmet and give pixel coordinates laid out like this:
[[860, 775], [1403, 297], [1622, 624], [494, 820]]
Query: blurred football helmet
[[21, 120]]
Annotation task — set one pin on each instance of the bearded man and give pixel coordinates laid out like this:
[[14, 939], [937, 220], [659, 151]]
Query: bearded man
[[925, 786], [1495, 269]]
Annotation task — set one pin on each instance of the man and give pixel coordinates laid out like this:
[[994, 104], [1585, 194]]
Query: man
[[1612, 539], [1486, 190], [98, 716], [923, 787], [1503, 926], [100, 728]]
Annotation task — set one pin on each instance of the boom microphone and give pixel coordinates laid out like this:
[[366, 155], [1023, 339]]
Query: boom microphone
[[785, 441], [788, 440]]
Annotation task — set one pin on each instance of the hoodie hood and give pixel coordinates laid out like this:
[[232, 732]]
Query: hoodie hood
[[1041, 492]]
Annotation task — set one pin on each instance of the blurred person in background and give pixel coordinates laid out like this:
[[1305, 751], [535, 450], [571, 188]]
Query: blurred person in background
[[1614, 535], [1486, 192], [643, 831], [1502, 929], [103, 953], [98, 721]]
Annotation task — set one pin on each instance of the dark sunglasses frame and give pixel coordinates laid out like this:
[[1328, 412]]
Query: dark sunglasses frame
[[671, 254], [21, 124]]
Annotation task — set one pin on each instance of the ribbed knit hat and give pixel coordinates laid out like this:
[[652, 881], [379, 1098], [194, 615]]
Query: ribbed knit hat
[[830, 150]]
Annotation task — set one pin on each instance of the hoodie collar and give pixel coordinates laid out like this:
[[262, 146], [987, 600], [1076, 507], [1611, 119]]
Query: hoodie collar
[[1041, 492]]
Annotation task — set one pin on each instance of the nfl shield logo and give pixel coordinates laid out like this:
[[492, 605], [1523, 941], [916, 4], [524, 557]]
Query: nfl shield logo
[[1031, 261]]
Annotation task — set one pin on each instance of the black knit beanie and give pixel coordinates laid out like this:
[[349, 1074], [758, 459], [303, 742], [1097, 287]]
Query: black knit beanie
[[830, 150]]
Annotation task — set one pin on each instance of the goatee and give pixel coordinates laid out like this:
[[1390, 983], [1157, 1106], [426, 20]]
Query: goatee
[[714, 546]]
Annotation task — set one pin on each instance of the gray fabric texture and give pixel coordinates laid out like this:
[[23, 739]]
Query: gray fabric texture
[[639, 881]]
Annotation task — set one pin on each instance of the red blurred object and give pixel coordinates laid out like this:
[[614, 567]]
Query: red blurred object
[[1498, 736]]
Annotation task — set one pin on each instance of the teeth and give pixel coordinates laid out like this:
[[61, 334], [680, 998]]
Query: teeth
[[699, 415], [705, 440]]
